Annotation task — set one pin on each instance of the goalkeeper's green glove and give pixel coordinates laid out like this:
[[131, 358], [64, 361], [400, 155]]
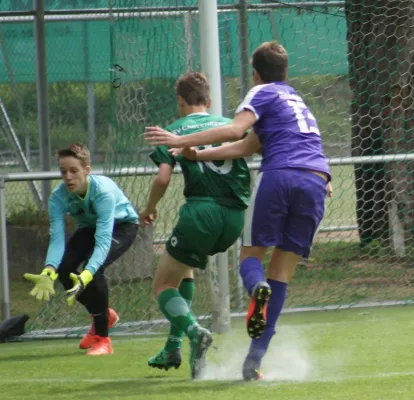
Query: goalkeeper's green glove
[[79, 284], [43, 283]]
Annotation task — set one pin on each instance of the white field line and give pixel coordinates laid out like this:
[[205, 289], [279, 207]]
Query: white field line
[[344, 378], [336, 379]]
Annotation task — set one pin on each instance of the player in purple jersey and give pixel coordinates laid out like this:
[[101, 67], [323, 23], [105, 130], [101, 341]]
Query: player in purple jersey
[[288, 201]]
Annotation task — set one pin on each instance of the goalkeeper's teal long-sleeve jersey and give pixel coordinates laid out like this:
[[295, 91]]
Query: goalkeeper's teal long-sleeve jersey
[[103, 206]]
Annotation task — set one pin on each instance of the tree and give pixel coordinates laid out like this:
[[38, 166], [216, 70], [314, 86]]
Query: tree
[[381, 65]]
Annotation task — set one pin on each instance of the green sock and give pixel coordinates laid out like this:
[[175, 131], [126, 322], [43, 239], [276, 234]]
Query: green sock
[[176, 310], [175, 336]]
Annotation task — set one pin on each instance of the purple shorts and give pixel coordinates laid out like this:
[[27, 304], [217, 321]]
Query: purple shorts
[[286, 208]]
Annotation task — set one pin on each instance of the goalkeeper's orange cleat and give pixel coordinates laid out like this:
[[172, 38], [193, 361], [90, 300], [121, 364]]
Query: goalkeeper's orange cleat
[[101, 346], [113, 318], [256, 315], [89, 339]]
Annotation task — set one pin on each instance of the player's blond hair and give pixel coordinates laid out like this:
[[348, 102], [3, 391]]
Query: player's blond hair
[[194, 88], [76, 150], [270, 60]]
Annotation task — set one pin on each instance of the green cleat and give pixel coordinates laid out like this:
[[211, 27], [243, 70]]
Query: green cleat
[[166, 359], [199, 345]]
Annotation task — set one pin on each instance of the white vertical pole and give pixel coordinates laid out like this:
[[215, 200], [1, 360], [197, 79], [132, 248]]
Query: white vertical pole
[[188, 39], [244, 49], [239, 288], [210, 50], [90, 92], [210, 65]]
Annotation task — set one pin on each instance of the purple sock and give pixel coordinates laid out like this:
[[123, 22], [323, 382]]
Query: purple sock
[[258, 347], [251, 271]]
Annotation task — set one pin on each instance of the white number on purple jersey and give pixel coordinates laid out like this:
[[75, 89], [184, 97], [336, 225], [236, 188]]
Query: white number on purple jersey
[[305, 119]]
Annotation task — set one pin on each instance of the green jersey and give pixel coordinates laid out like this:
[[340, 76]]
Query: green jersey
[[227, 182]]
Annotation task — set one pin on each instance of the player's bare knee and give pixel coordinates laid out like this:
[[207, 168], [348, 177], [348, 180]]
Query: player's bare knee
[[158, 289], [188, 274], [280, 274], [252, 251], [283, 264], [155, 292]]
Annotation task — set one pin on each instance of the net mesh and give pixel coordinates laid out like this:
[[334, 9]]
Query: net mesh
[[351, 62], [149, 52]]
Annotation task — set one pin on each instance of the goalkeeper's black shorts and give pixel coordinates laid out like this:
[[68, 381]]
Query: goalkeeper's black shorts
[[81, 244]]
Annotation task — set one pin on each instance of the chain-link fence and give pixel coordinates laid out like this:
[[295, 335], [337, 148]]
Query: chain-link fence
[[112, 73]]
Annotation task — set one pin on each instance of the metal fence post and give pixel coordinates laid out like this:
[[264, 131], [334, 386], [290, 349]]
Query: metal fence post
[[5, 290], [210, 64], [244, 48], [239, 288], [189, 41], [42, 95]]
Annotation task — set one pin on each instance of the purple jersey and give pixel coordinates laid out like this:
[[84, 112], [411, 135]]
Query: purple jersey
[[287, 130]]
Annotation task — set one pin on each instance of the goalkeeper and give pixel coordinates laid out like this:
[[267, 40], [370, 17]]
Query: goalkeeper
[[106, 227], [209, 222]]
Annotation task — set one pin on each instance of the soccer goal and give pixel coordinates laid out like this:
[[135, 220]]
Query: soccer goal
[[353, 71]]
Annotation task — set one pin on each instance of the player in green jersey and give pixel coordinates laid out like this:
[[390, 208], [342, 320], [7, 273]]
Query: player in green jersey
[[210, 221]]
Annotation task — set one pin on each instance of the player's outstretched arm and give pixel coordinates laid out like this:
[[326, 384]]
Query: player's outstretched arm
[[242, 148], [56, 248], [44, 282], [158, 188], [235, 130]]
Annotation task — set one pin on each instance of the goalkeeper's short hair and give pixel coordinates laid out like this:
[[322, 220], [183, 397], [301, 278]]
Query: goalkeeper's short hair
[[194, 88], [76, 150]]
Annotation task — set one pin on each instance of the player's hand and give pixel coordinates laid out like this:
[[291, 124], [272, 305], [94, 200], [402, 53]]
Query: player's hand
[[148, 216], [176, 151], [158, 136], [188, 152], [79, 284], [43, 283], [329, 189]]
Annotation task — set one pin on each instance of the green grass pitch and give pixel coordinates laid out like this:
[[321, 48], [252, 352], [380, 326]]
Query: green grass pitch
[[351, 354]]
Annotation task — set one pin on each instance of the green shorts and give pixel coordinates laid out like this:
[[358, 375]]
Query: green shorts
[[204, 228]]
